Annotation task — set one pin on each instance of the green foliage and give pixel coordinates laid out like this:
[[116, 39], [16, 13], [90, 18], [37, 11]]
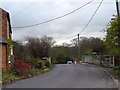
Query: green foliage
[[58, 53], [112, 39], [47, 63], [31, 61], [61, 58], [33, 71], [10, 42], [32, 51], [117, 70], [9, 76]]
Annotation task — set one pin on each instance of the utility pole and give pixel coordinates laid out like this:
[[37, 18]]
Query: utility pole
[[78, 48], [117, 7], [118, 15]]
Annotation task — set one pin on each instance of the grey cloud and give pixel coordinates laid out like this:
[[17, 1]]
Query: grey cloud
[[41, 11]]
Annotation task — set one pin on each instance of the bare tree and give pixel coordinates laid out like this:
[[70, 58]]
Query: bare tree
[[89, 45], [40, 47]]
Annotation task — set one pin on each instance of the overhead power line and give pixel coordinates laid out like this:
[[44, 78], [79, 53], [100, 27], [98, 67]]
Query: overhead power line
[[91, 17], [19, 12], [86, 24], [55, 18], [69, 37]]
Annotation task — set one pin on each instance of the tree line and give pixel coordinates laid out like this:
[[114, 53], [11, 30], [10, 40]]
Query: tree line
[[33, 49], [37, 48]]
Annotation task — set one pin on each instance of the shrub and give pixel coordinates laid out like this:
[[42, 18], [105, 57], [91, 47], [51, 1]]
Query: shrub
[[35, 62], [9, 76], [47, 63], [33, 71], [117, 70], [32, 61], [21, 68], [20, 64], [38, 64]]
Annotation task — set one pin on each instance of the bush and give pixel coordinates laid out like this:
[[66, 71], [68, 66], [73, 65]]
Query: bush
[[117, 70], [33, 71], [39, 64], [21, 68], [32, 61], [47, 63], [19, 64], [9, 76]]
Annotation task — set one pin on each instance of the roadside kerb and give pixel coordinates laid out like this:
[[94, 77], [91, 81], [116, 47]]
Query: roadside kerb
[[115, 80]]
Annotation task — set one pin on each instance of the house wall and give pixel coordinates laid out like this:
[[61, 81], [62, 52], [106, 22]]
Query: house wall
[[4, 30], [4, 25], [0, 57], [0, 23], [4, 57], [0, 44]]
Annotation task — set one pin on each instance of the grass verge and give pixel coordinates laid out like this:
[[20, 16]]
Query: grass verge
[[116, 70], [11, 76]]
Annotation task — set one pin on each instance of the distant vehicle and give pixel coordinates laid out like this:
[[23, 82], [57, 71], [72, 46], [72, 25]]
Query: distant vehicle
[[69, 62]]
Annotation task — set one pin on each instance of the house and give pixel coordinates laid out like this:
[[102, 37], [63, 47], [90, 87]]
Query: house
[[5, 35]]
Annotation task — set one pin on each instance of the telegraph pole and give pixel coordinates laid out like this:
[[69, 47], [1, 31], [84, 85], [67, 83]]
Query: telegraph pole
[[118, 15], [78, 47], [117, 7]]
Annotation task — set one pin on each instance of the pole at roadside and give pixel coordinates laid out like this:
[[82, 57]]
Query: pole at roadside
[[117, 7], [78, 48], [118, 15]]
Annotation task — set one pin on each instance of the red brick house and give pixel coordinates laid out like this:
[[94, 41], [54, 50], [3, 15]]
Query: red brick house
[[5, 34]]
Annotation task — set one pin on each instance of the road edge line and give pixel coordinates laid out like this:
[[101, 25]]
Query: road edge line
[[115, 80]]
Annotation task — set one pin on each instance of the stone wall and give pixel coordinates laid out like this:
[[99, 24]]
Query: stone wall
[[105, 60]]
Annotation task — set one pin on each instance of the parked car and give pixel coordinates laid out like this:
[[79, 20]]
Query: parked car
[[69, 62]]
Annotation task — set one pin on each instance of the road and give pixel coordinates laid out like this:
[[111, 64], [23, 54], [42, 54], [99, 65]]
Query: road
[[68, 76]]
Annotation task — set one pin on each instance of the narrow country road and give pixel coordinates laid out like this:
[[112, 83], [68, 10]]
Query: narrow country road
[[68, 76]]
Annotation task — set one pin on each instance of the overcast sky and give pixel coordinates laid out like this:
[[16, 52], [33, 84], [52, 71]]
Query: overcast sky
[[27, 12]]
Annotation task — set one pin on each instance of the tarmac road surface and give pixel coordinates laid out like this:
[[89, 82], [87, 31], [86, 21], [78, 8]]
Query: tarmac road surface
[[68, 76]]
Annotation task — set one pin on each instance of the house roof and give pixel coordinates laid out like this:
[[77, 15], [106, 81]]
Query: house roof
[[2, 41]]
